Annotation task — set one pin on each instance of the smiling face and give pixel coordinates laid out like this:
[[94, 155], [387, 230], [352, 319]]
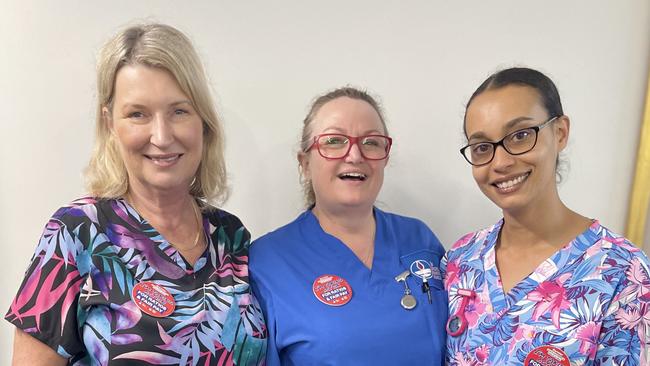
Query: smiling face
[[351, 182], [157, 130], [516, 182]]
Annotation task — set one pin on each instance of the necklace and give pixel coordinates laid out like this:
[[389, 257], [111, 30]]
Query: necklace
[[198, 231], [199, 225]]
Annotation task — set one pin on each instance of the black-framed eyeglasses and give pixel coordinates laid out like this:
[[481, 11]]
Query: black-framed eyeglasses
[[338, 146], [515, 143]]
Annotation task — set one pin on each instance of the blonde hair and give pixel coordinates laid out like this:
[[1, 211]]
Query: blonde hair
[[309, 196], [164, 47]]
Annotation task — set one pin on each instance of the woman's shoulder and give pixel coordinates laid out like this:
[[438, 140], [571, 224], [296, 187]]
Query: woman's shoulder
[[615, 246], [283, 235], [219, 216], [400, 219], [85, 207], [404, 223], [475, 237]]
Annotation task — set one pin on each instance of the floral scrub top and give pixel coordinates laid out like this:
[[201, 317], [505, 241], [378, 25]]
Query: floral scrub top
[[590, 302], [104, 287]]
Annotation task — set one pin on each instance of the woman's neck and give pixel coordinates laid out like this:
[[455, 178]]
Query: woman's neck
[[345, 221], [547, 222], [355, 228], [165, 210]]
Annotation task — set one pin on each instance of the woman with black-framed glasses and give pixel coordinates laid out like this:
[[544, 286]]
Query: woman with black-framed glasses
[[346, 283], [544, 285]]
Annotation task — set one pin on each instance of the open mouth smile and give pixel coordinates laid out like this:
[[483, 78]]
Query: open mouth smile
[[355, 176], [511, 184]]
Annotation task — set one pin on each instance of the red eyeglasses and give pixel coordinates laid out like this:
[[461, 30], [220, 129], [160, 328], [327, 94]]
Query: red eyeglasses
[[337, 146]]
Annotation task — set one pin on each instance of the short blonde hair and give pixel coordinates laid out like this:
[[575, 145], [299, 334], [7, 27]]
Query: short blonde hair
[[160, 46], [309, 196]]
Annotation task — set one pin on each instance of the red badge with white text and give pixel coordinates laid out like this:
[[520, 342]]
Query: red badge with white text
[[332, 290], [547, 356], [153, 299]]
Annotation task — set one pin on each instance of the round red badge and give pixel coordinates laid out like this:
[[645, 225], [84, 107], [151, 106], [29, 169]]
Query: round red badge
[[547, 356], [153, 299], [332, 290]]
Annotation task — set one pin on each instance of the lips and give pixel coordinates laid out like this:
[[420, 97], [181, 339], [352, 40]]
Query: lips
[[512, 183], [164, 159], [354, 176]]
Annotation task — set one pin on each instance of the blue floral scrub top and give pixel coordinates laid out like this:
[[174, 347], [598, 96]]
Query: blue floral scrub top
[[78, 294], [590, 302]]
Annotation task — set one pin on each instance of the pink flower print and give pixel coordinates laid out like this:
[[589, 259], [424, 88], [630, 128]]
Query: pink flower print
[[588, 334], [545, 270], [525, 333], [459, 359], [550, 297], [474, 310], [622, 242], [636, 315], [639, 285], [482, 353], [462, 241], [632, 315], [451, 276], [594, 249]]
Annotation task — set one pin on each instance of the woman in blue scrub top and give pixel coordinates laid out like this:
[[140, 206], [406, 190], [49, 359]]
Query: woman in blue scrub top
[[346, 283]]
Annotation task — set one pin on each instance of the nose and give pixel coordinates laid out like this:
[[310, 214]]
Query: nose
[[354, 155], [502, 159], [162, 134]]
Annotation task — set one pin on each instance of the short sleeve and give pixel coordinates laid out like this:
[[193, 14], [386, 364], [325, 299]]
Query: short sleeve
[[625, 333], [46, 303], [266, 302]]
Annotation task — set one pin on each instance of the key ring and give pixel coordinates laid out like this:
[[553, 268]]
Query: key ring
[[457, 323]]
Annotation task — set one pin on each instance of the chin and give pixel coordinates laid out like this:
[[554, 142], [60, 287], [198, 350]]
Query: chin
[[167, 184]]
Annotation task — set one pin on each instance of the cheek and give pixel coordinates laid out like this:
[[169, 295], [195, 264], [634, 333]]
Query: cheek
[[190, 135], [379, 170], [479, 174], [129, 137]]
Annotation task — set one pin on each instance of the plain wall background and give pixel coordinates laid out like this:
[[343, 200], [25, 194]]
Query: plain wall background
[[267, 60]]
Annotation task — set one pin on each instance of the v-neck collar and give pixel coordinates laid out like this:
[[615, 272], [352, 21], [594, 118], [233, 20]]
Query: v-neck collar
[[334, 249], [165, 246], [560, 259]]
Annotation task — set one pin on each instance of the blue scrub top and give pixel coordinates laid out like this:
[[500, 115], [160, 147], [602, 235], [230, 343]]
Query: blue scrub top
[[372, 328]]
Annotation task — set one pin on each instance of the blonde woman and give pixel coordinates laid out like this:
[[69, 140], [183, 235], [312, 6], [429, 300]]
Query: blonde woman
[[144, 270]]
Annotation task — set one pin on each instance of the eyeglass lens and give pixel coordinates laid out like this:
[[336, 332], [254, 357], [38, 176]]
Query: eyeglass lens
[[337, 146], [518, 142]]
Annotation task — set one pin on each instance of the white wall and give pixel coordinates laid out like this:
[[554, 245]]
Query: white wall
[[267, 60]]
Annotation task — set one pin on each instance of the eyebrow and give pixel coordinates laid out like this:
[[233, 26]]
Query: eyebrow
[[510, 124], [137, 105], [343, 132]]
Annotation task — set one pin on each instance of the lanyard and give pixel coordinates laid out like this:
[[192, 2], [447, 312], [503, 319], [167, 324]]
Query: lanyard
[[457, 323]]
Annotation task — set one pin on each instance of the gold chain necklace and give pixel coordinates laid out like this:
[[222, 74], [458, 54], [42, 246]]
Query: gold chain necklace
[[197, 216], [199, 230]]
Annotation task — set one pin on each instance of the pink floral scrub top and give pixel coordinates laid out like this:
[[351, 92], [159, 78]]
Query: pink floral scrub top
[[588, 304]]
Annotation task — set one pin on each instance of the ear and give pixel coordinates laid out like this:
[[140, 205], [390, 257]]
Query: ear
[[303, 163], [107, 117], [562, 128]]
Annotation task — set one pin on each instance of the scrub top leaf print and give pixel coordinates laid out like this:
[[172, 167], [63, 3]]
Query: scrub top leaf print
[[590, 300], [77, 293]]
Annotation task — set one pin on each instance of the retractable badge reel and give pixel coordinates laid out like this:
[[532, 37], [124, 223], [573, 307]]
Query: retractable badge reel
[[457, 323], [408, 301]]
